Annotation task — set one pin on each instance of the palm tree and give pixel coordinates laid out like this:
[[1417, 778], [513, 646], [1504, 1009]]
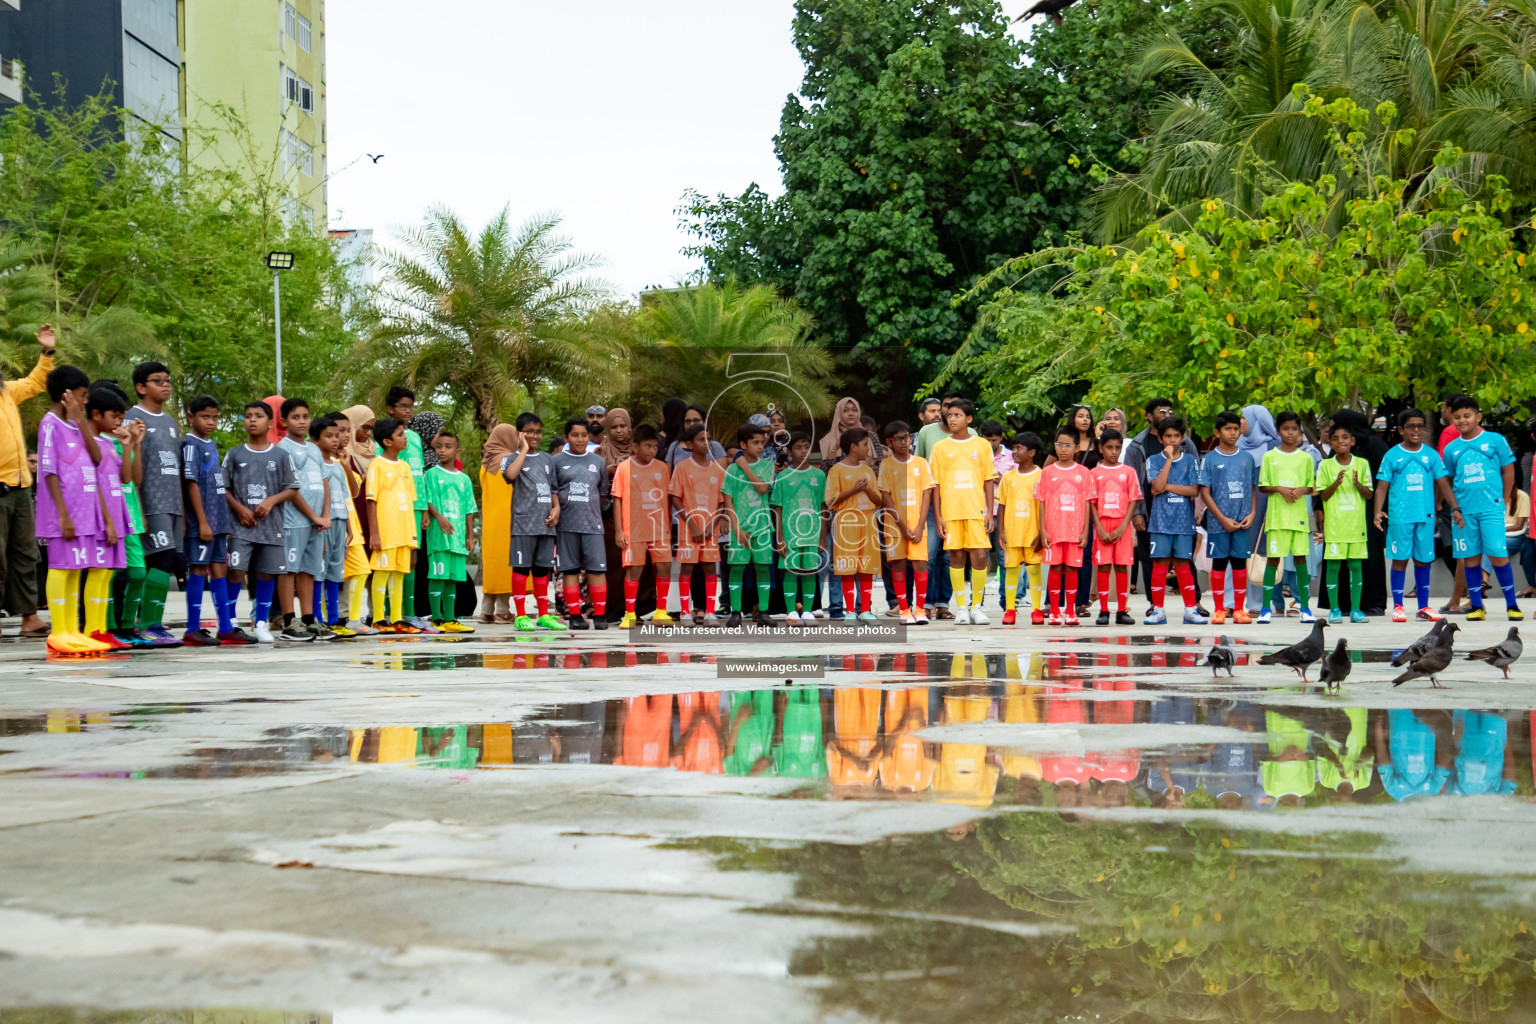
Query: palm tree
[[734, 350], [27, 293], [487, 320], [1456, 71]]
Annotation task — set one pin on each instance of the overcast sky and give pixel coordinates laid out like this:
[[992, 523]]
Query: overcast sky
[[601, 110]]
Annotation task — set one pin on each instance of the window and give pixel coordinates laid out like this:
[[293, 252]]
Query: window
[[289, 209], [297, 27], [297, 154], [306, 162], [297, 90]]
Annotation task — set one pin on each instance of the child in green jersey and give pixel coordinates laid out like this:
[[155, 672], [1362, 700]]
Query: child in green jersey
[[448, 527], [747, 491], [798, 493], [1344, 491], [1287, 473]]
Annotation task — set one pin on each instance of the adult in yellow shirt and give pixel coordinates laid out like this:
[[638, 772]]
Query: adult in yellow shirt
[[18, 537], [966, 475]]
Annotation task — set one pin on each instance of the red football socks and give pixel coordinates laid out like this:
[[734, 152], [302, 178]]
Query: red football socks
[[899, 580], [1159, 583], [850, 594], [866, 590], [599, 593], [1187, 586], [1219, 589], [631, 593], [1239, 588]]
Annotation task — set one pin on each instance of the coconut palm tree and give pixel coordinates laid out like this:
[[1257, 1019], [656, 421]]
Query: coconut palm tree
[[1456, 71], [732, 349], [487, 320]]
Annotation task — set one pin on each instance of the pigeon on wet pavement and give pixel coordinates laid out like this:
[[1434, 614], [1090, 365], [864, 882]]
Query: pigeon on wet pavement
[[1220, 657], [1299, 656], [1336, 666], [1501, 655], [1417, 649], [1433, 662]]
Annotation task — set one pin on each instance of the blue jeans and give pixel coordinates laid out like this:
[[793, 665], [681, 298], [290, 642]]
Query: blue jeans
[[834, 603], [939, 589]]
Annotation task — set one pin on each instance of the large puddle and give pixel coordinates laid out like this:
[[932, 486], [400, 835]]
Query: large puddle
[[1051, 730]]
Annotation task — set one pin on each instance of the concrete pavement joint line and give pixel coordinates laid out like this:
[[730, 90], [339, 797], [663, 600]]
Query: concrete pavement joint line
[[201, 796]]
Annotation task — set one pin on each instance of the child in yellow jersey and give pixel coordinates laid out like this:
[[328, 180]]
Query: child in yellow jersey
[[391, 494], [906, 488], [1019, 510], [966, 475], [853, 495]]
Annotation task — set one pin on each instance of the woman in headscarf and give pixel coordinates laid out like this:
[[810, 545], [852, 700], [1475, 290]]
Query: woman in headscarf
[[275, 433], [426, 425], [1114, 419], [354, 459], [618, 438], [1373, 595], [845, 417], [496, 525], [1259, 436]]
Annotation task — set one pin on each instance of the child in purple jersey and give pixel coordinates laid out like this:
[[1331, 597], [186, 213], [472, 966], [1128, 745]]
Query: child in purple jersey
[[105, 408], [69, 511]]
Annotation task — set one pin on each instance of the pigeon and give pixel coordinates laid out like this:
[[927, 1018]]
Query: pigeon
[[1220, 657], [1051, 8], [1336, 666], [1501, 655], [1299, 656], [1431, 664], [1417, 649]]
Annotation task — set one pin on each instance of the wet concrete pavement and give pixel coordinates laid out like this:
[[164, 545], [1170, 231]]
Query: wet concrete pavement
[[985, 823]]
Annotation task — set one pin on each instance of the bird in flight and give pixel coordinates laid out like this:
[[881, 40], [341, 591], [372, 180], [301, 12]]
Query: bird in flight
[[1052, 8], [375, 159]]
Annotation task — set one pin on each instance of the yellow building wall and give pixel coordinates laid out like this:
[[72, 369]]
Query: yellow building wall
[[234, 53]]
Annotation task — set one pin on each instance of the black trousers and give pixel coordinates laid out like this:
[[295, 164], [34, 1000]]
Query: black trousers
[[18, 551]]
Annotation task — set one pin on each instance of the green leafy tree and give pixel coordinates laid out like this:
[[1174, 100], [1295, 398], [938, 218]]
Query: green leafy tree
[[152, 259], [1410, 295], [925, 145], [489, 320]]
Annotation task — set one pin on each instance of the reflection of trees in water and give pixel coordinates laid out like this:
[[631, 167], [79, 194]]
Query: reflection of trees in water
[[1320, 929]]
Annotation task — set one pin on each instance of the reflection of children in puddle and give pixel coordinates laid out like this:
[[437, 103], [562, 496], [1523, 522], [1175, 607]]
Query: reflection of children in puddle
[[1021, 705], [853, 760], [1413, 749], [698, 746], [907, 764], [1347, 766], [1170, 776], [750, 736], [799, 752], [966, 774], [645, 732], [1114, 770], [1289, 771], [1485, 761], [1068, 773]]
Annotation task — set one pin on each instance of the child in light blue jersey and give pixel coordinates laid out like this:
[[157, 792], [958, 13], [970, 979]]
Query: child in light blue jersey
[[1482, 471], [1405, 508]]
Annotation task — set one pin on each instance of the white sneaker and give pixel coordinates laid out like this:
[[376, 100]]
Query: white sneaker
[[908, 618], [263, 633], [979, 618], [820, 613], [792, 619], [710, 622], [917, 614], [962, 616]]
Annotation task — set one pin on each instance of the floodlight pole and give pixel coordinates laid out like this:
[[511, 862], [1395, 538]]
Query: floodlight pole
[[277, 323]]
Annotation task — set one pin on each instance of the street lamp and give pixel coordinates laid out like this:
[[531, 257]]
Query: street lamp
[[277, 262]]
